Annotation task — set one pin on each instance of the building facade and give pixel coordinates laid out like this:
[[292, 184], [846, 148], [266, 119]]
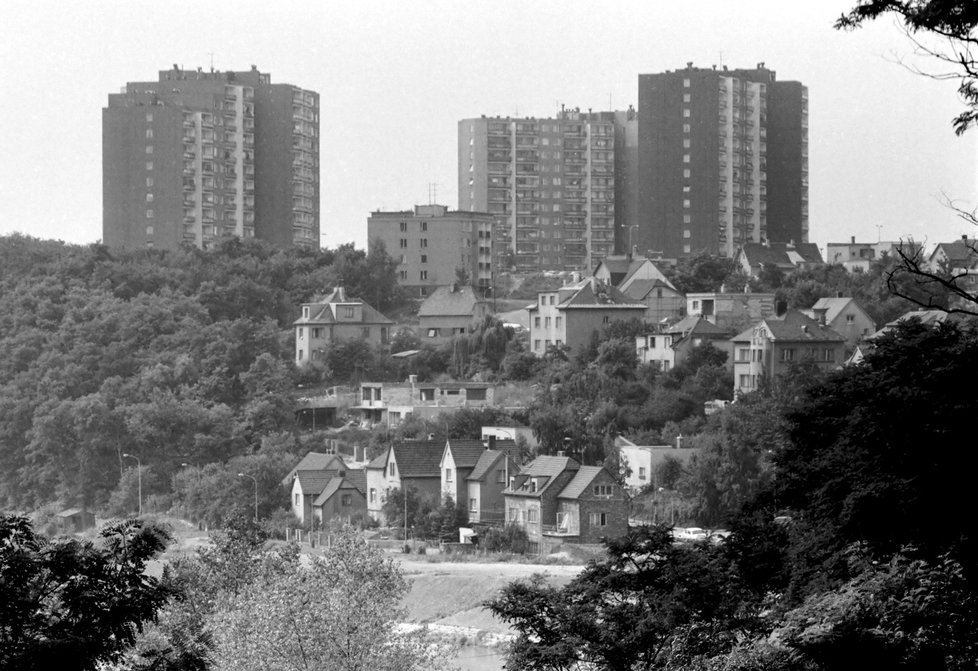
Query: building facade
[[336, 317], [199, 156], [548, 183], [722, 160], [432, 244]]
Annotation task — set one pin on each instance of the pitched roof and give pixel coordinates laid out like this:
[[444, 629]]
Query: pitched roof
[[793, 327], [465, 452], [415, 458], [696, 325], [781, 254], [545, 468], [594, 294], [580, 482], [335, 485], [959, 253], [639, 289], [487, 460], [312, 483], [450, 301], [322, 310], [358, 478], [832, 306], [315, 461]]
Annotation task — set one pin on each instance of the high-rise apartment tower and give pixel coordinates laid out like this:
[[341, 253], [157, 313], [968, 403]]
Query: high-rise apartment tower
[[198, 156], [549, 184], [722, 160]]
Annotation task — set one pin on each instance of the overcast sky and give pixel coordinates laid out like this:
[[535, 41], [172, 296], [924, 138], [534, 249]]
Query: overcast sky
[[395, 78]]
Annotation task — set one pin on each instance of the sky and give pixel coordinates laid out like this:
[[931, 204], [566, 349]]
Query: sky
[[395, 78]]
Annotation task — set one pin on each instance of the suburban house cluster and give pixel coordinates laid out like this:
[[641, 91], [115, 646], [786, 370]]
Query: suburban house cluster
[[554, 499]]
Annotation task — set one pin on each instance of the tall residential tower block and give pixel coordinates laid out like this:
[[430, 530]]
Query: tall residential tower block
[[548, 183], [198, 156], [722, 160]]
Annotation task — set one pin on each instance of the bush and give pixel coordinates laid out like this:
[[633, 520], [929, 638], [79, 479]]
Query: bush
[[511, 538]]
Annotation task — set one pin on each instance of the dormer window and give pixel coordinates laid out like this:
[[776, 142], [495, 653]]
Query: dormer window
[[305, 312], [348, 312]]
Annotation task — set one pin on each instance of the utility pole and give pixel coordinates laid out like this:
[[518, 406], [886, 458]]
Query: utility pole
[[139, 479]]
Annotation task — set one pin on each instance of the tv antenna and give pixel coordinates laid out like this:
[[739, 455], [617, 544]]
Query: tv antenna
[[432, 193]]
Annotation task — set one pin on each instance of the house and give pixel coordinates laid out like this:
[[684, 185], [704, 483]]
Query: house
[[485, 485], [556, 500], [460, 458], [752, 257], [306, 488], [960, 259], [336, 317], [643, 461], [410, 465], [852, 255], [730, 310], [670, 346], [768, 348], [513, 432], [568, 316], [389, 403], [844, 316], [343, 499], [926, 317], [450, 311], [75, 520], [621, 271]]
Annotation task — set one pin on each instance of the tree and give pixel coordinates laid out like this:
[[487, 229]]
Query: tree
[[953, 22], [340, 612], [75, 604], [944, 31], [647, 602]]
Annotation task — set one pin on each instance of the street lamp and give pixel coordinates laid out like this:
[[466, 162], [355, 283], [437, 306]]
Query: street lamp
[[630, 229], [139, 479], [253, 479]]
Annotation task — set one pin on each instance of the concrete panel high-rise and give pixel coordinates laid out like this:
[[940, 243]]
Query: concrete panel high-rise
[[198, 156], [722, 160], [549, 184]]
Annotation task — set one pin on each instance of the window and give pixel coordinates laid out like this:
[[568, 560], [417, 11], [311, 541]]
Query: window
[[432, 333], [149, 133], [686, 173], [788, 354], [546, 322], [149, 198], [606, 320], [348, 312], [533, 515], [317, 332], [686, 112], [685, 83], [424, 225], [641, 473], [603, 490], [424, 258], [366, 332], [473, 505], [403, 226], [827, 354], [149, 149], [686, 128], [149, 214], [514, 514], [500, 476], [536, 345], [149, 117], [598, 519], [403, 243], [298, 499], [424, 274], [850, 318], [744, 382], [743, 354], [552, 299], [373, 495], [686, 158], [686, 249], [448, 475], [392, 469], [149, 165], [558, 321], [424, 242], [149, 230], [346, 500], [686, 97], [536, 322]]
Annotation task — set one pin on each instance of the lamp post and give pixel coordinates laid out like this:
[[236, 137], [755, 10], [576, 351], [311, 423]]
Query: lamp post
[[139, 479], [629, 250], [253, 479]]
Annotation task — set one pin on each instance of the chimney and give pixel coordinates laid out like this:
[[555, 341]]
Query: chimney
[[780, 307], [853, 239], [964, 238], [492, 442]]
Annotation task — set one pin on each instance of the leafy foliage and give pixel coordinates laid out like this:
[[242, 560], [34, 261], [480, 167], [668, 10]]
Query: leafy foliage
[[73, 604]]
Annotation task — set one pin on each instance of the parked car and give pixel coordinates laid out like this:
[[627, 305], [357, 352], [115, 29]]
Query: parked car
[[689, 534]]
